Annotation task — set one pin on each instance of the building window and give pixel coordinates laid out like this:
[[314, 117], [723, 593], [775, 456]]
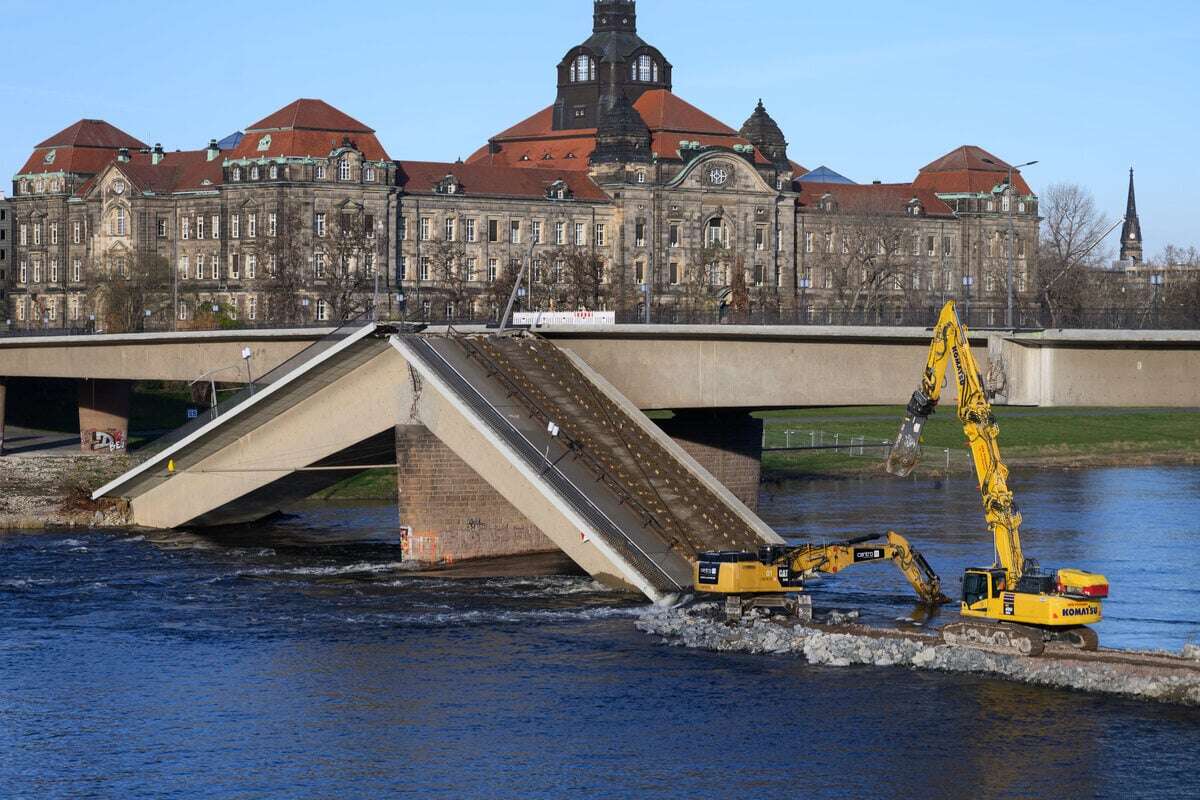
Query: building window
[[54, 270], [674, 274], [272, 224], [402, 268], [237, 174], [601, 234], [322, 311], [53, 233], [77, 271], [673, 236], [646, 69], [493, 230], [639, 234], [1021, 207], [235, 226], [472, 266], [73, 305], [273, 173], [760, 238], [369, 225], [1005, 203], [930, 247], [514, 232], [493, 268], [251, 267], [344, 170], [535, 232], [320, 172], [641, 176], [216, 226], [185, 268], [77, 231], [319, 265], [947, 246], [426, 225], [252, 226], [450, 229], [1020, 247], [560, 233], [185, 227], [200, 266], [37, 270], [320, 226], [425, 268], [580, 233], [235, 266], [200, 227], [254, 174], [470, 229], [639, 272], [369, 175], [120, 225], [583, 69]]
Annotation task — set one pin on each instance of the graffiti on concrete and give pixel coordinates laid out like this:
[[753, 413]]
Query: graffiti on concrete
[[103, 441]]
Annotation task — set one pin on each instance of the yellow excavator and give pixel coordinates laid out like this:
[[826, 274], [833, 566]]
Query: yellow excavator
[[773, 577], [1013, 606]]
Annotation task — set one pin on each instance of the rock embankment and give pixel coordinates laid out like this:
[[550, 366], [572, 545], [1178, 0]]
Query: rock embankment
[[52, 491], [700, 626]]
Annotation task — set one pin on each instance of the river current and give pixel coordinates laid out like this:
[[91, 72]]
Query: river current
[[300, 661]]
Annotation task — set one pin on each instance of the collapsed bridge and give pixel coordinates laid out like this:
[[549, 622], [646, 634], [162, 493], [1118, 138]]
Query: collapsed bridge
[[500, 443]]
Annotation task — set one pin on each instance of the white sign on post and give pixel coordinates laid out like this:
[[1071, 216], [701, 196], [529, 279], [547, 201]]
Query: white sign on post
[[548, 319]]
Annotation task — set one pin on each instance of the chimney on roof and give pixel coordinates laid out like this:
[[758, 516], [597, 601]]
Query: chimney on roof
[[156, 155], [123, 154], [213, 150]]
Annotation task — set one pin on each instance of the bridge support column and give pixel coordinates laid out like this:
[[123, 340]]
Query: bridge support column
[[727, 443], [104, 415], [448, 513], [3, 393]]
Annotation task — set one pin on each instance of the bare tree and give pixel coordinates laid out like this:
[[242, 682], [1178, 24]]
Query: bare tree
[[1068, 254], [287, 255], [705, 282], [448, 267], [349, 270], [129, 291], [869, 256]]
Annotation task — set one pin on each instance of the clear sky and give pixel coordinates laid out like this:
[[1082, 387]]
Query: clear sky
[[873, 89]]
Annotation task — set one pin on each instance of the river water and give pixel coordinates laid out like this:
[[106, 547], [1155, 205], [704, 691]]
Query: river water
[[299, 661]]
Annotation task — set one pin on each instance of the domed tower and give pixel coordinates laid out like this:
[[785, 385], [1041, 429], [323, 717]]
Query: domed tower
[[614, 55], [764, 133]]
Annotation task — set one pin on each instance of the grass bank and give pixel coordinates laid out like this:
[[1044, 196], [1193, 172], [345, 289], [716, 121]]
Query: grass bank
[[1031, 438]]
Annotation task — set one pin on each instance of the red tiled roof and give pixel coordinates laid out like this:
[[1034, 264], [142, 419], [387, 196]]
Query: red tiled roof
[[310, 115], [92, 133], [72, 160], [964, 170], [305, 143], [669, 118], [889, 198], [421, 177], [181, 171]]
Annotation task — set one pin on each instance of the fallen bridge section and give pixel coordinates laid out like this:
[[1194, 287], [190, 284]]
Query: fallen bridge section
[[567, 452]]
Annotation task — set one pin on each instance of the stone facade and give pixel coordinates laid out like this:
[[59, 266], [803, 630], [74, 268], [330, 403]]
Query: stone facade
[[618, 195], [5, 262]]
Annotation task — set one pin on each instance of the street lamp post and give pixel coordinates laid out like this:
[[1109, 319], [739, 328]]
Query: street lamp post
[[1156, 280], [968, 282], [805, 285], [1012, 234]]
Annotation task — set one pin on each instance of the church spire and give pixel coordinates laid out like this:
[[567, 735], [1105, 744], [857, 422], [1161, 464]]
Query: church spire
[[1131, 233]]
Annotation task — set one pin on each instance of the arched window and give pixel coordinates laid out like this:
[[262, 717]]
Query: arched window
[[714, 235], [254, 173], [237, 173], [583, 69]]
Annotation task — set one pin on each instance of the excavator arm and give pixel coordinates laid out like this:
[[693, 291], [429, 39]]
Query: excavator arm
[[951, 346], [833, 558]]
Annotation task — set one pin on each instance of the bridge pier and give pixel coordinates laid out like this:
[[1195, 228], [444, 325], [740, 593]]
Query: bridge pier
[[449, 513], [727, 443], [104, 415], [3, 394]]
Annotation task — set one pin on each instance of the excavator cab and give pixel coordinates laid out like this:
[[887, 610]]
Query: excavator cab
[[981, 585]]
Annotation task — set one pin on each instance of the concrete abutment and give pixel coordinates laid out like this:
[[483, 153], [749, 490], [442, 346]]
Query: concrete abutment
[[104, 415]]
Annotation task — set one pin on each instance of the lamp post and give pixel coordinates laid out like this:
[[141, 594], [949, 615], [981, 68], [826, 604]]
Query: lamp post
[[968, 282], [1156, 280], [805, 285], [1012, 233]]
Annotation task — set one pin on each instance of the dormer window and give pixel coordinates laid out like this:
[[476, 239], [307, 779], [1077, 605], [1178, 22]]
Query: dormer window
[[583, 68], [559, 191], [264, 144], [320, 172], [274, 172], [344, 169], [641, 176], [49, 157], [915, 208], [644, 69], [254, 174], [448, 185], [369, 175], [237, 174]]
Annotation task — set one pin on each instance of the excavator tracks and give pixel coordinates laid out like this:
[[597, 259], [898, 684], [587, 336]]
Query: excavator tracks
[[995, 637]]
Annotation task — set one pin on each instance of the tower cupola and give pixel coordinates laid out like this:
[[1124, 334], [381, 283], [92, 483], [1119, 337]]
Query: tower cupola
[[615, 16], [764, 133]]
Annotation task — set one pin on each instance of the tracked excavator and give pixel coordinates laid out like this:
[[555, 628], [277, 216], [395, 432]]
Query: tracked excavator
[[774, 577], [1013, 606]]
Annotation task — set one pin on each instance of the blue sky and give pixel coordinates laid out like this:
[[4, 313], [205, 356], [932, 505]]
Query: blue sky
[[873, 89]]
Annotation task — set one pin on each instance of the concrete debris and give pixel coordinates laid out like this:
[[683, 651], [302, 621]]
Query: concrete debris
[[702, 626], [1192, 651], [841, 617]]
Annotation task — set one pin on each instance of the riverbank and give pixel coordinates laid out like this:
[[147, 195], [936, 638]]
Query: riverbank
[[54, 491]]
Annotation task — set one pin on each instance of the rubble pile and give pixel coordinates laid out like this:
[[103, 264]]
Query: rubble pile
[[701, 626]]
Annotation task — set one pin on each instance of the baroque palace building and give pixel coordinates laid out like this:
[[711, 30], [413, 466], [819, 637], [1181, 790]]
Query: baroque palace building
[[618, 195]]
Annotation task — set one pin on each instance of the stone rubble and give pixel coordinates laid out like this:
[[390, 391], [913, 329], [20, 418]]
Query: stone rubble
[[34, 491], [701, 626], [1191, 651]]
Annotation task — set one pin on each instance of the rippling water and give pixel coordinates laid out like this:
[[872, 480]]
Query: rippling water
[[299, 660]]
